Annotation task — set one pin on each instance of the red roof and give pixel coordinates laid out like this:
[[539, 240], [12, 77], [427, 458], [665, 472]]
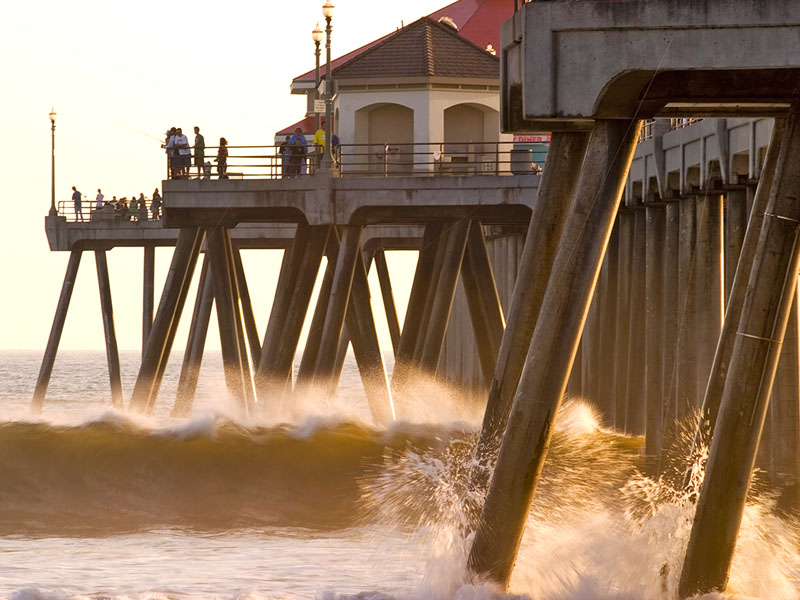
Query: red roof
[[307, 125], [423, 49], [477, 20]]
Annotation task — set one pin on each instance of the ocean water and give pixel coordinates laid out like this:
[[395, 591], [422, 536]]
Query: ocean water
[[313, 501]]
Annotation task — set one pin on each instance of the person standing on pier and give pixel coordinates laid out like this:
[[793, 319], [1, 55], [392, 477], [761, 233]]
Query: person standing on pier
[[169, 148], [184, 153], [286, 155], [222, 158], [199, 150], [76, 199], [155, 205], [319, 145], [142, 208], [99, 200], [298, 138]]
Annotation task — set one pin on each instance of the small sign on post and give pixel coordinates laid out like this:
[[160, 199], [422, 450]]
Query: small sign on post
[[319, 107]]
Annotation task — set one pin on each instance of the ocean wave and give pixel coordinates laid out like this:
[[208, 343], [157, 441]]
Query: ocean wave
[[117, 473]]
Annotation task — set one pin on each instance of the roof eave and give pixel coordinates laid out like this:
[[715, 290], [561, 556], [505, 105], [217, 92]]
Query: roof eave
[[356, 81]]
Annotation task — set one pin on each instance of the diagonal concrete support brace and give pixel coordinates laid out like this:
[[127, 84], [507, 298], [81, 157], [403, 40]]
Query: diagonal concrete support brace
[[337, 307], [55, 331], [382, 269], [159, 342], [441, 300], [759, 335], [107, 308], [556, 190], [229, 317], [275, 370], [722, 356], [366, 348], [247, 309], [483, 301], [195, 344], [418, 299], [552, 349]]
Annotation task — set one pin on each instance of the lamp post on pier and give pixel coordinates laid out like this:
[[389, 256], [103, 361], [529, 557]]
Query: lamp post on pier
[[316, 35], [327, 12], [53, 211]]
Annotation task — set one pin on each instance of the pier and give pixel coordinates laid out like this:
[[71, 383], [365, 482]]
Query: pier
[[650, 269]]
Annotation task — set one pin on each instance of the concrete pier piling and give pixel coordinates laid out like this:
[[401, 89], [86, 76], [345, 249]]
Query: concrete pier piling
[[735, 226], [442, 295], [274, 376], [483, 302], [785, 419], [60, 317], [608, 330], [366, 347], [195, 344], [552, 348], [720, 366], [148, 292], [709, 286], [110, 334], [308, 362], [686, 373], [417, 301], [291, 265], [654, 330], [253, 341], [165, 324], [382, 270], [341, 286], [762, 323], [671, 320], [626, 224], [229, 317], [635, 392], [564, 159]]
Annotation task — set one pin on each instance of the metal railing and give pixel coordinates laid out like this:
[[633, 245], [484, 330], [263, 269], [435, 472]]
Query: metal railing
[[369, 160], [108, 214], [674, 123]]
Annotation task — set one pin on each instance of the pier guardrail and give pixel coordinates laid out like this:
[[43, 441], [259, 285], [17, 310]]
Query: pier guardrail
[[108, 214], [385, 159]]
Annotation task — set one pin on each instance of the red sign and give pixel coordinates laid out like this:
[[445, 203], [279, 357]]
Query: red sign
[[531, 139]]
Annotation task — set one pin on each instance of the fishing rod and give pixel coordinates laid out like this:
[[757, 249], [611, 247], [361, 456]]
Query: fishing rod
[[139, 131]]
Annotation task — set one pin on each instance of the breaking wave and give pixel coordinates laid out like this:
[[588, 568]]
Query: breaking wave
[[114, 474]]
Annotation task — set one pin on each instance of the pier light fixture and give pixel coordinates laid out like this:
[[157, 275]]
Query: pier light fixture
[[327, 12], [317, 34], [52, 115]]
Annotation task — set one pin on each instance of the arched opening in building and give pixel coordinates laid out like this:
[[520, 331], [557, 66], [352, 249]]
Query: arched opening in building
[[384, 137], [471, 133]]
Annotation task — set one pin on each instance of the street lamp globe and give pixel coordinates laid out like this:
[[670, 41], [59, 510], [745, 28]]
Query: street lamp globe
[[52, 115], [327, 9], [317, 34]]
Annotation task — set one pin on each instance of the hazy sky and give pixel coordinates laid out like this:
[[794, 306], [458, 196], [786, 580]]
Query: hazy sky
[[117, 73]]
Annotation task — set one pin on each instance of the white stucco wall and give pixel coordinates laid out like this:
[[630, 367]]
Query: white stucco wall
[[428, 106]]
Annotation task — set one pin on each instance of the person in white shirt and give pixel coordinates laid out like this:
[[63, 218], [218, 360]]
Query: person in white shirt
[[172, 153], [184, 153], [99, 203]]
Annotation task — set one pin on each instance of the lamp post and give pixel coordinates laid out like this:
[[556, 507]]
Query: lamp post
[[53, 211], [316, 35], [327, 12]]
